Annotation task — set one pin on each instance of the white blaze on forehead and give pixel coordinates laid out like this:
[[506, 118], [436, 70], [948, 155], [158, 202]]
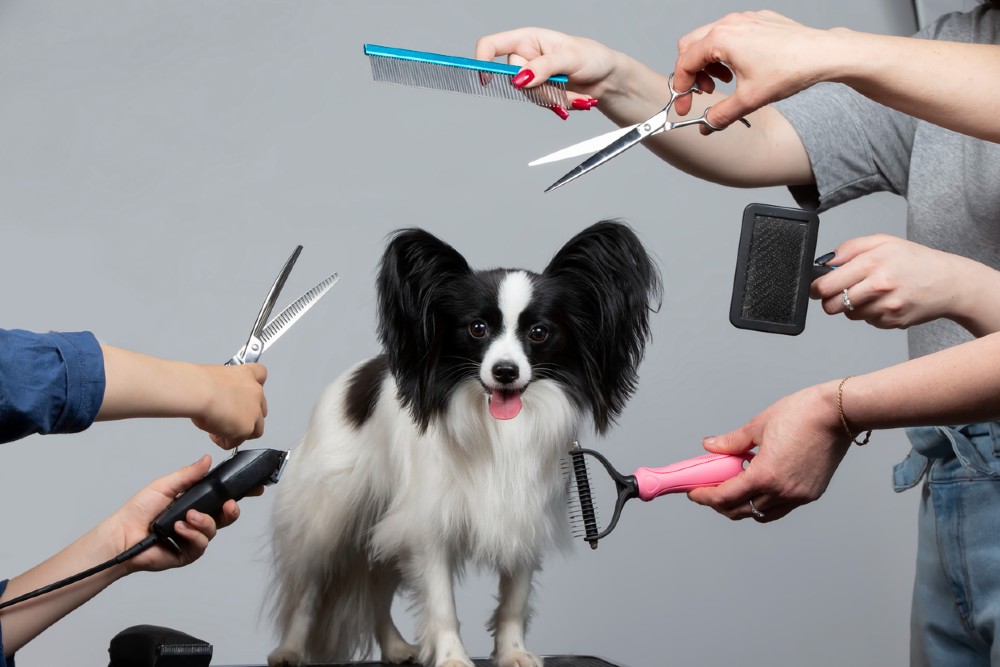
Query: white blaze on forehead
[[513, 297], [515, 294]]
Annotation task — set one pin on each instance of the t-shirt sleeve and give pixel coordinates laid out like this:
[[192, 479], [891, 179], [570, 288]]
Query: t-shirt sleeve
[[855, 146], [49, 383]]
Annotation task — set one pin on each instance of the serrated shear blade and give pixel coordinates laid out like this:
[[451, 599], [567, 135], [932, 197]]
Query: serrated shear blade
[[284, 320]]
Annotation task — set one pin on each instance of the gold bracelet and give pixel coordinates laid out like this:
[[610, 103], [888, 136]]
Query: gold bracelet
[[843, 419]]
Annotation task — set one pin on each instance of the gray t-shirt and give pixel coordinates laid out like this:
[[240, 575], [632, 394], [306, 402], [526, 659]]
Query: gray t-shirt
[[951, 182]]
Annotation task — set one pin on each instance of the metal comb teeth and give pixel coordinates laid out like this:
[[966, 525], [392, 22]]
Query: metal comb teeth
[[460, 75], [582, 513]]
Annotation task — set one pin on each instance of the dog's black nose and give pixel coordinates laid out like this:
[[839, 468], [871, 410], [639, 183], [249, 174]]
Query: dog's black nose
[[505, 372]]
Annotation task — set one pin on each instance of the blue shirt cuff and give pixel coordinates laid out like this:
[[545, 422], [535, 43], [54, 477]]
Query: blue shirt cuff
[[49, 383], [85, 380]]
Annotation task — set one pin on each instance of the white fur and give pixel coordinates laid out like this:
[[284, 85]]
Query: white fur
[[359, 511], [515, 293]]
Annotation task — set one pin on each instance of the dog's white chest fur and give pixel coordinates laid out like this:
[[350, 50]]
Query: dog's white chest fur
[[492, 491]]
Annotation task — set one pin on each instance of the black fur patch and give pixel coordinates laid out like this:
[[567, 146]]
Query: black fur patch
[[363, 390]]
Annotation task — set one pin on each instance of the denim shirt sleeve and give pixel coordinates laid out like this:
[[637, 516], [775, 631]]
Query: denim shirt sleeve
[[49, 383], [4, 662]]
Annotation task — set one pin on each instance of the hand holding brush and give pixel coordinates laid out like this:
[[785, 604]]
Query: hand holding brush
[[644, 483]]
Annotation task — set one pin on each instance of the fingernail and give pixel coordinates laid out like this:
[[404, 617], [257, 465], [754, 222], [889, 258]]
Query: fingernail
[[823, 259], [710, 440], [523, 78], [593, 101], [582, 104], [485, 78], [562, 113]]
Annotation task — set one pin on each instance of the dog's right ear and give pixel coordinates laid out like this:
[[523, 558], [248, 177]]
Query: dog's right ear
[[414, 276]]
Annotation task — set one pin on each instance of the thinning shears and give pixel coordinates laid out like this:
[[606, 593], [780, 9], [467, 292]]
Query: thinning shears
[[264, 331], [618, 141]]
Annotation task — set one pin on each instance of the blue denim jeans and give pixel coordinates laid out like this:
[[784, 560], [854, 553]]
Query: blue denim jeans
[[955, 619]]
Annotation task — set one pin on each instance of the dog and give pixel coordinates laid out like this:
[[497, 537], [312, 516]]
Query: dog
[[446, 450]]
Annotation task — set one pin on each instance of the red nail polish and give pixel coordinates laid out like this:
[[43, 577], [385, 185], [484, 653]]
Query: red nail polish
[[523, 78], [582, 104], [593, 101], [562, 113]]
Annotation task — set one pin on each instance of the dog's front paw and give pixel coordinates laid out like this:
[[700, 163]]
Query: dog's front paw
[[451, 662], [285, 657], [400, 652], [518, 659]]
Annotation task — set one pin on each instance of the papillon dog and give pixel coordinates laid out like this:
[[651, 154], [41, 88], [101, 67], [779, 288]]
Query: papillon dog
[[446, 449]]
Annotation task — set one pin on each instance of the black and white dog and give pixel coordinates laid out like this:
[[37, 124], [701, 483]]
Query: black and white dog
[[446, 449]]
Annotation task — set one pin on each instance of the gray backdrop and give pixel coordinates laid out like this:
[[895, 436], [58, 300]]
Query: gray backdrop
[[158, 163]]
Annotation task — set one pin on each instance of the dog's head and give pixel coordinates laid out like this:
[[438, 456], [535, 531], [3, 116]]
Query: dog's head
[[582, 323]]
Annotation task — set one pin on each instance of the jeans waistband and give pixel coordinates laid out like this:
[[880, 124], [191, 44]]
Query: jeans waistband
[[975, 449]]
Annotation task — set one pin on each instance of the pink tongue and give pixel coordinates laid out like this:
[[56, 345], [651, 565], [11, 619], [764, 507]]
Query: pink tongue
[[505, 404]]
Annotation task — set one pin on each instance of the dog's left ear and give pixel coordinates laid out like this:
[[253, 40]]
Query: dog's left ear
[[611, 284], [417, 277]]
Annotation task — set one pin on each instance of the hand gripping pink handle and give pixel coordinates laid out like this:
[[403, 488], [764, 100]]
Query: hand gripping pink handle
[[681, 477]]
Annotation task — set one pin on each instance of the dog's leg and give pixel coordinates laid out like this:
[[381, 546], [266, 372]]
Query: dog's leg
[[395, 649], [439, 638], [291, 652], [509, 621]]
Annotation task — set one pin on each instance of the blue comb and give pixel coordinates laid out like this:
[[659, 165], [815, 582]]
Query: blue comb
[[460, 75]]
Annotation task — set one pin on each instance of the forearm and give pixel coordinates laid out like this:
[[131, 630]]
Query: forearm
[[950, 84], [23, 622], [954, 386], [769, 153], [977, 300], [139, 385]]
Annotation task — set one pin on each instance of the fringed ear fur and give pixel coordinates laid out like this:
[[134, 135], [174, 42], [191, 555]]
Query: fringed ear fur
[[610, 285], [414, 273]]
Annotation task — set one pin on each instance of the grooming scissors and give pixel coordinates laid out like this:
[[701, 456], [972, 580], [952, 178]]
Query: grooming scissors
[[618, 141], [263, 335]]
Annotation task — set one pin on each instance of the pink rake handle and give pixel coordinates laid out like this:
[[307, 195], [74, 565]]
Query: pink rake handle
[[681, 477]]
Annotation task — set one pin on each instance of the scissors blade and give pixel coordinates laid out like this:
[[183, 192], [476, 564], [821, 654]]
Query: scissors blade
[[584, 147], [284, 320], [250, 354], [617, 147]]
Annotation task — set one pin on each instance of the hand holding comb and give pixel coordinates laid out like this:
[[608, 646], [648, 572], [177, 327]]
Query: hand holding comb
[[645, 483]]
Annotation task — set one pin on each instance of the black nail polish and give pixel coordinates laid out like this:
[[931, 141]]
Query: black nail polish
[[823, 259]]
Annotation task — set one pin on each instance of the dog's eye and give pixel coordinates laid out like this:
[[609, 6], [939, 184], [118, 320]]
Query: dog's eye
[[538, 333], [478, 329]]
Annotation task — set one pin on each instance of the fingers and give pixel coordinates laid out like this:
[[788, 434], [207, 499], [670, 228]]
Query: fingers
[[728, 496], [181, 480], [259, 372], [855, 265], [735, 442], [522, 42]]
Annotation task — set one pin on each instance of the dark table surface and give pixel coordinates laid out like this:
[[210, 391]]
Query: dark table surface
[[550, 661]]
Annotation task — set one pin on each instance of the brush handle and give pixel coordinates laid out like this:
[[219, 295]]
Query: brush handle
[[681, 477]]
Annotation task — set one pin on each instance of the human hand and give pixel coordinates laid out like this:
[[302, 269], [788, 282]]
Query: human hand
[[236, 406], [771, 56], [893, 283], [801, 443], [544, 53], [130, 524]]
